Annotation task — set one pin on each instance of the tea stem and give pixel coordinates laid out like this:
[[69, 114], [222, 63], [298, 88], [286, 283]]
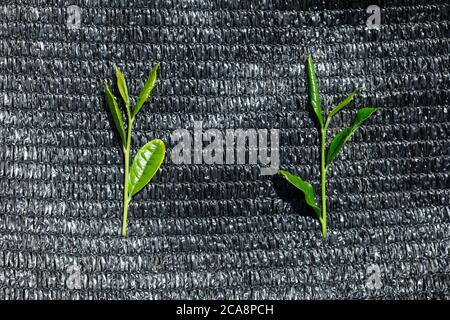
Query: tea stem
[[126, 196], [323, 175]]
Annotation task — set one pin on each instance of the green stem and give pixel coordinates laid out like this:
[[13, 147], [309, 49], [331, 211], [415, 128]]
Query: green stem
[[323, 175], [126, 197]]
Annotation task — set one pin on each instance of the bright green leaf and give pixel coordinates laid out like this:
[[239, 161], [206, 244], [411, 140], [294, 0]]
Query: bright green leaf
[[117, 116], [342, 137], [122, 85], [305, 187], [344, 102], [314, 90], [145, 164], [145, 92]]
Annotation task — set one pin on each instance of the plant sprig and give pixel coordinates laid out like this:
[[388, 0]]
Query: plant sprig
[[336, 145], [149, 158]]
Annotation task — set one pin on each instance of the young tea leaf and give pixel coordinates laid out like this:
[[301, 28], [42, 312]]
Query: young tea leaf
[[344, 102], [314, 90], [342, 137], [145, 92], [145, 164], [305, 187], [122, 85], [117, 116]]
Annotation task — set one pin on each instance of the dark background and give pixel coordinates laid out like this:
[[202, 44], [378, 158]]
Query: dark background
[[224, 231]]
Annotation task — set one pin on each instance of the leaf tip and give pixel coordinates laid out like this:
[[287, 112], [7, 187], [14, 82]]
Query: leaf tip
[[372, 110], [107, 89], [154, 70], [115, 67], [159, 143], [118, 71]]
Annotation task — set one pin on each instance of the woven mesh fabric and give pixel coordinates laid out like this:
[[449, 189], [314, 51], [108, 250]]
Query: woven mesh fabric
[[224, 231]]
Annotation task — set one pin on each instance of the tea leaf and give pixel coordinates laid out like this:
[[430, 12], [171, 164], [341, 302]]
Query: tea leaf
[[122, 85], [145, 164], [145, 92], [305, 187], [117, 116], [342, 137], [314, 90], [344, 102]]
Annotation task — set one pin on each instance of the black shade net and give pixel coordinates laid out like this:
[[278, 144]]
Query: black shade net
[[223, 231]]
